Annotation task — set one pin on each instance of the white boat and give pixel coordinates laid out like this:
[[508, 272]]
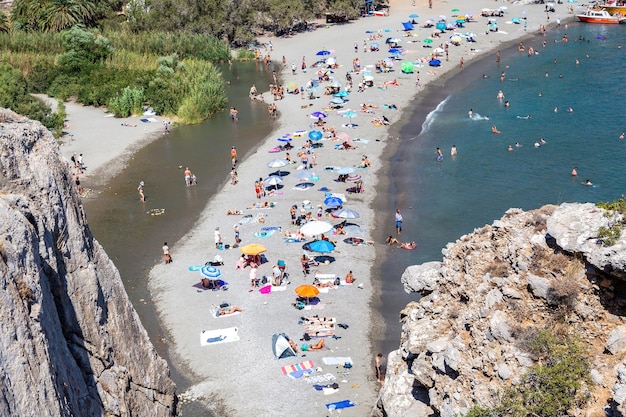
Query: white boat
[[600, 16]]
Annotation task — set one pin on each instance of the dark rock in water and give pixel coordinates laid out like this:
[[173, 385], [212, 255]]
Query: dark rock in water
[[71, 342]]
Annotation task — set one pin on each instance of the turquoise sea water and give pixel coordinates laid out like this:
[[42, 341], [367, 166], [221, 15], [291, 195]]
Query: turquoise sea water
[[443, 200]]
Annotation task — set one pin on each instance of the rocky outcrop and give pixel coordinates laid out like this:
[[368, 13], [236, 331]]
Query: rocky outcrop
[[71, 343], [462, 343]]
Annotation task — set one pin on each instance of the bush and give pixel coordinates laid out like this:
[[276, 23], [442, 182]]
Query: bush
[[551, 388], [129, 102]]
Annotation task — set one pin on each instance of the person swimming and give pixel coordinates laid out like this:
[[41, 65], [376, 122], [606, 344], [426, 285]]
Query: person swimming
[[494, 129], [524, 117]]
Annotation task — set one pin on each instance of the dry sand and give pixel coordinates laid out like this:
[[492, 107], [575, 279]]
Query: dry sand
[[243, 378]]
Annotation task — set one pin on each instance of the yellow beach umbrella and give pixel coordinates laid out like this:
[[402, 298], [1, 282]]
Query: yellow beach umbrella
[[253, 249]]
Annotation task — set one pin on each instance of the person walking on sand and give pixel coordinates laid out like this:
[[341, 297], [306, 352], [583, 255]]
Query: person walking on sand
[[233, 156], [167, 256], [218, 237], [142, 196], [399, 220]]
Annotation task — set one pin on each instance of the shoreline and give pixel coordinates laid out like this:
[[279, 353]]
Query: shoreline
[[215, 378], [162, 279]]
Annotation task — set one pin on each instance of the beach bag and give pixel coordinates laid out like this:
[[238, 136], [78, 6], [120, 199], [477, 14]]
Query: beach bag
[[347, 365], [337, 281], [264, 280], [224, 305]]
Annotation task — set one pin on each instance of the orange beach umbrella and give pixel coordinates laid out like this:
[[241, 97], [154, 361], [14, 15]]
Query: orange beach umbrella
[[307, 290], [253, 249]]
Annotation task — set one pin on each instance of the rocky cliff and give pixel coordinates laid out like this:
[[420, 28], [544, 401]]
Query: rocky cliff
[[467, 339], [71, 343]]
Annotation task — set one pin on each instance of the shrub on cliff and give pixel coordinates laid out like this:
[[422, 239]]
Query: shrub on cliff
[[552, 387]]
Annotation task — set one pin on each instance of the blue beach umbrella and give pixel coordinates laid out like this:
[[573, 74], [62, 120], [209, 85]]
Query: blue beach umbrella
[[414, 16], [210, 272], [333, 202], [318, 114], [434, 63], [395, 51], [315, 135], [342, 93], [323, 52], [441, 26], [337, 100], [345, 170], [284, 139], [321, 246], [374, 44], [350, 114]]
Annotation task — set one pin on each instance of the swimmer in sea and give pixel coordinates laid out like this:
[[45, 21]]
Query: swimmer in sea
[[470, 113], [621, 137], [494, 129], [574, 171], [587, 182], [524, 117], [510, 148], [518, 145], [537, 144], [543, 141], [570, 110], [500, 95]]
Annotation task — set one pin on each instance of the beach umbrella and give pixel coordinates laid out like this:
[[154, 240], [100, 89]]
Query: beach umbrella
[[350, 114], [299, 133], [333, 202], [396, 40], [277, 163], [354, 177], [429, 21], [337, 100], [331, 61], [428, 40], [323, 52], [368, 78], [441, 26], [395, 51], [374, 44], [335, 84], [346, 213], [315, 227], [442, 17], [321, 246], [389, 40], [450, 26], [438, 51], [353, 229], [210, 272], [315, 135], [434, 63], [407, 67], [455, 38], [342, 93], [303, 186], [284, 139], [292, 85], [253, 249], [318, 114], [307, 290], [414, 16], [345, 170], [273, 180], [344, 136], [279, 173], [304, 175], [455, 10], [515, 20]]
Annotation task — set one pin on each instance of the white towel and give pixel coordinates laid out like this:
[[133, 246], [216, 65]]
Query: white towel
[[336, 360], [214, 337]]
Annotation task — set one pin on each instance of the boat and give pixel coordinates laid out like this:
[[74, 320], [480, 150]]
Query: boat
[[600, 16], [614, 8]]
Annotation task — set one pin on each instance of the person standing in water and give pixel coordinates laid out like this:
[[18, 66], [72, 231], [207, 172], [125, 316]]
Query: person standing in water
[[142, 196], [399, 220]]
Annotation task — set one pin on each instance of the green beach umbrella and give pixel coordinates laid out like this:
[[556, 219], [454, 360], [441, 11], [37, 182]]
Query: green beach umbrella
[[407, 67], [428, 40], [455, 10]]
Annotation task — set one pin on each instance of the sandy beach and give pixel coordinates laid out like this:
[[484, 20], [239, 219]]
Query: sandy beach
[[244, 377]]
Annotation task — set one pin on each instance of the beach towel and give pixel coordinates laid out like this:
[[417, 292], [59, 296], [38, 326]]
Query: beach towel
[[215, 337], [329, 390], [361, 140], [270, 228], [220, 284], [298, 370], [264, 234], [215, 313], [320, 379], [314, 307], [340, 404], [336, 360], [246, 219], [316, 319]]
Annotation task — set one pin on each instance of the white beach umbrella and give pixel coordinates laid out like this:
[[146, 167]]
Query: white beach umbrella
[[273, 180], [346, 213], [277, 163], [315, 227]]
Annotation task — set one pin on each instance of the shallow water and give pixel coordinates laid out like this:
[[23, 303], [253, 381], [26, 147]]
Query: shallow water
[[133, 239], [443, 200]]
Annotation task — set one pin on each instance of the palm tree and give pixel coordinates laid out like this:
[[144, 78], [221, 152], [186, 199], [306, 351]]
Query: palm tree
[[4, 22], [25, 14], [63, 14]]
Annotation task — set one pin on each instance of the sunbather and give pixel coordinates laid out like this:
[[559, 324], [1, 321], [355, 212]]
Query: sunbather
[[319, 345], [317, 319], [231, 310], [408, 246], [232, 212]]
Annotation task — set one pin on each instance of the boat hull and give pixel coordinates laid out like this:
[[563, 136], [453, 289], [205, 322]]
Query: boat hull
[[606, 21]]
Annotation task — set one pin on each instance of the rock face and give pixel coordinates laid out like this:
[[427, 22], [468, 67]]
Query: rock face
[[71, 343], [462, 342]]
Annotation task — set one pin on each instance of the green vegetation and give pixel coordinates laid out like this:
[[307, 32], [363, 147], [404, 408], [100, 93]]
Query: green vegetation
[[554, 386], [610, 235]]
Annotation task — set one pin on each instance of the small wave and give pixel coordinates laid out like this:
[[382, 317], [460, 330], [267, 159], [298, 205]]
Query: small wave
[[432, 116], [477, 116]]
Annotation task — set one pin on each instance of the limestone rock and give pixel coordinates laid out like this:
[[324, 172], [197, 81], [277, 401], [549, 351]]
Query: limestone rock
[[617, 340], [421, 278], [71, 342]]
